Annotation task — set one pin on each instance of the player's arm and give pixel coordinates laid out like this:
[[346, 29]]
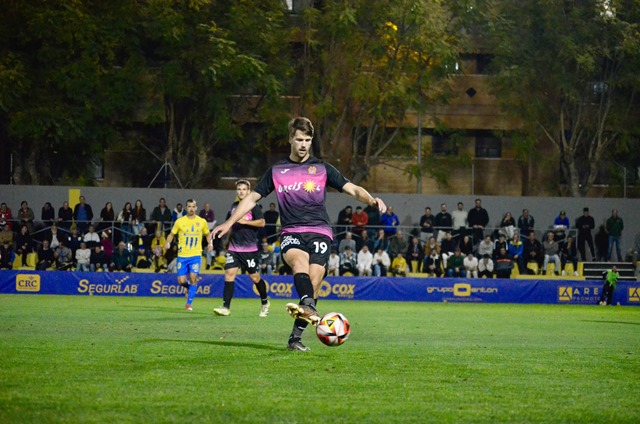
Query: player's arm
[[167, 245], [243, 207], [362, 195]]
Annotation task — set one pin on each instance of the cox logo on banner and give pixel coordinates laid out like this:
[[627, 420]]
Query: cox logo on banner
[[277, 289], [28, 283], [346, 291]]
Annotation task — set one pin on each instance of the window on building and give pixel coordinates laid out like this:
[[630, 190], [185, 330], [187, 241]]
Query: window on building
[[488, 145], [443, 145]]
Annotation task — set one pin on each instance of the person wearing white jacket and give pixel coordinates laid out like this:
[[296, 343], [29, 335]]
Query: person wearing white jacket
[[365, 261], [471, 265], [381, 263], [83, 257]]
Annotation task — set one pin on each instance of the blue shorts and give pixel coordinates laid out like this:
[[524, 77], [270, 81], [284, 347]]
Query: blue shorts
[[188, 266]]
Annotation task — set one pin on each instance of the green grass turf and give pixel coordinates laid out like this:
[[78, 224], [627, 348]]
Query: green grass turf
[[115, 359]]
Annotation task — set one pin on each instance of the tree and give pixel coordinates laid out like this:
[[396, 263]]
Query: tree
[[568, 71], [365, 65]]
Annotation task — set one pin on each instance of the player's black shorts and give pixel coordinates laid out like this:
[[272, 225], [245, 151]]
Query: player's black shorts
[[248, 262], [318, 246]]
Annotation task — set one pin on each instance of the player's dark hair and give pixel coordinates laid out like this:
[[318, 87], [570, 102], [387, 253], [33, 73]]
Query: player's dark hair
[[300, 123], [245, 182], [188, 201]]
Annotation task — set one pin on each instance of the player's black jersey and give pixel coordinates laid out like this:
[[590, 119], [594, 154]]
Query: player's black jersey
[[301, 193], [244, 238]]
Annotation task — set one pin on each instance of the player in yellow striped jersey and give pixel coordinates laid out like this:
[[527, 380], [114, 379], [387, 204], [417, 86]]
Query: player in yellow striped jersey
[[189, 229]]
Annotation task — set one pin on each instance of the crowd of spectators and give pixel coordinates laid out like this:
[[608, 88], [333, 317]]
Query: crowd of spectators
[[367, 243]]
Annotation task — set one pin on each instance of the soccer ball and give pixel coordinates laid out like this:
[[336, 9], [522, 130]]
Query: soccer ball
[[333, 329]]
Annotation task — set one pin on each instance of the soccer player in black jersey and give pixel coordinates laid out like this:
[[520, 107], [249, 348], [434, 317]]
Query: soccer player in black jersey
[[300, 183], [242, 252]]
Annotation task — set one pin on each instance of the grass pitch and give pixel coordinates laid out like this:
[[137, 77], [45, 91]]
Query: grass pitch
[[116, 359]]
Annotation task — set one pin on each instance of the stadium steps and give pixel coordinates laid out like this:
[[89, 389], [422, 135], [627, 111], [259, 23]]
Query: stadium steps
[[594, 270]]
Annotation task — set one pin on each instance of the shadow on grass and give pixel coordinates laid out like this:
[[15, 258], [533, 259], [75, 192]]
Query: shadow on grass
[[218, 343], [611, 322]]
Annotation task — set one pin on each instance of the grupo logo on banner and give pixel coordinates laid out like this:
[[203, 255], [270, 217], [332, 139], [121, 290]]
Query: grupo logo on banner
[[462, 292], [28, 283], [578, 294]]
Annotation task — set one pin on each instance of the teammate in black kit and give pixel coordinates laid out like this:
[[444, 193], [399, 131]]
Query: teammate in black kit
[[300, 183], [242, 253]]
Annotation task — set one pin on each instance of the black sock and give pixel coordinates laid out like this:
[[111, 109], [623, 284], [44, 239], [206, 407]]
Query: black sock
[[227, 294], [298, 327], [262, 291], [304, 288]]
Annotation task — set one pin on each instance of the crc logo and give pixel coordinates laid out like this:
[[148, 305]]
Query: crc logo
[[634, 294], [28, 283], [340, 290]]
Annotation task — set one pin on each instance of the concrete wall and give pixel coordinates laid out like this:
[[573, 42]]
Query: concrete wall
[[409, 207]]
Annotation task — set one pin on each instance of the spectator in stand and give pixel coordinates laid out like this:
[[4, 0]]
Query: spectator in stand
[[432, 263], [561, 226], [533, 251], [466, 245], [374, 220], [455, 265], [615, 225], [143, 239], [55, 236], [267, 260], [348, 261], [516, 250], [478, 220], [171, 257], [158, 251], [381, 242], [365, 240], [486, 247], [6, 256], [91, 238], [485, 267], [447, 248], [347, 241], [107, 245], [107, 218], [83, 258], [334, 263], [381, 263], [399, 265], [6, 235], [6, 216], [73, 240], [121, 259], [65, 216], [501, 242], [359, 219], [569, 253], [459, 221], [471, 265], [503, 264], [64, 257], [161, 216], [426, 225], [83, 215], [208, 215], [398, 243], [26, 217], [415, 253], [47, 215], [344, 222], [141, 257], [551, 250], [24, 243], [138, 217], [525, 223], [390, 221], [365, 261], [271, 218], [585, 224], [508, 225], [125, 219], [601, 240], [443, 222], [98, 261], [46, 256], [178, 213], [635, 251]]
